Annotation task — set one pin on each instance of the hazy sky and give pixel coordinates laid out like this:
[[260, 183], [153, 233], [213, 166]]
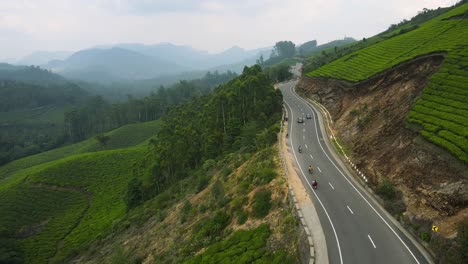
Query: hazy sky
[[27, 26]]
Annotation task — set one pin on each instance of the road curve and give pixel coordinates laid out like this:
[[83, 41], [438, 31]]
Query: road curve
[[357, 230]]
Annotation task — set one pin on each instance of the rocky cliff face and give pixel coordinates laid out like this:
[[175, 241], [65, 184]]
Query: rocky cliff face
[[370, 119]]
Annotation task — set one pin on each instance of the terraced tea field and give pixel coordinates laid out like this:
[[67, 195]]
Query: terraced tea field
[[123, 137], [56, 202], [59, 206], [442, 110]]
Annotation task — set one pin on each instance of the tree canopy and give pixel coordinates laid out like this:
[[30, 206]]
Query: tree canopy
[[285, 49], [239, 115]]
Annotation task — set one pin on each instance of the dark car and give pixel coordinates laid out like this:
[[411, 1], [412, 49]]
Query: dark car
[[300, 120], [308, 116]]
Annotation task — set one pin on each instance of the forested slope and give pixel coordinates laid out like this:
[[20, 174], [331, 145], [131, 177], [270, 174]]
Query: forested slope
[[40, 110], [67, 204]]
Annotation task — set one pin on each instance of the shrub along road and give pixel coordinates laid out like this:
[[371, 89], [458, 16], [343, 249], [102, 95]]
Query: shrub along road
[[357, 229]]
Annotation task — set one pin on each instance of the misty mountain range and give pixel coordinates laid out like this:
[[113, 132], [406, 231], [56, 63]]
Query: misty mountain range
[[120, 62]]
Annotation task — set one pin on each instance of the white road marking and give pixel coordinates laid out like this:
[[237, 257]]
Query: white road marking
[[371, 241], [312, 157], [318, 168], [316, 196], [306, 146], [352, 185], [303, 130], [303, 137], [331, 186], [350, 210]]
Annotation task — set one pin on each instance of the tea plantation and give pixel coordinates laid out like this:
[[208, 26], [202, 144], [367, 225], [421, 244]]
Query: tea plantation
[[442, 110], [126, 136], [56, 202], [75, 199]]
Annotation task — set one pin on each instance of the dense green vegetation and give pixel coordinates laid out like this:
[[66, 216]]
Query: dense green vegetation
[[123, 137], [58, 206], [98, 116], [336, 49], [282, 52], [187, 218], [244, 246], [16, 96], [32, 101], [27, 132], [241, 114], [279, 72], [282, 58], [32, 75], [66, 203], [40, 110], [307, 47], [261, 203], [442, 109]]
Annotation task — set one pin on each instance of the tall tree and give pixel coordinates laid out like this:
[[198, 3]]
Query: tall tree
[[285, 49]]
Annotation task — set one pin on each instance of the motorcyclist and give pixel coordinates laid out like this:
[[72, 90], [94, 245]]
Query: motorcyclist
[[287, 135], [314, 184], [310, 168], [300, 149]]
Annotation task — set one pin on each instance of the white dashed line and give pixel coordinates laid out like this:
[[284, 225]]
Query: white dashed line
[[331, 186], [354, 187], [371, 241], [315, 194], [350, 210], [303, 137], [312, 157], [318, 168], [306, 146]]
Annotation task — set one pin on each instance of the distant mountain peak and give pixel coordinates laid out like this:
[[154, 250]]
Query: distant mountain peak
[[43, 57]]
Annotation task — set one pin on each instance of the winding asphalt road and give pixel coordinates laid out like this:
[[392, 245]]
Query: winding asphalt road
[[357, 230]]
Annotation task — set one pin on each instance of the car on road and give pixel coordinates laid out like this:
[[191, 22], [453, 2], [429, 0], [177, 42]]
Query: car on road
[[300, 120], [308, 116]]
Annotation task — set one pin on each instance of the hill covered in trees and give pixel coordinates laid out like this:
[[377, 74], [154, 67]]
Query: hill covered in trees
[[67, 203], [40, 110], [32, 103]]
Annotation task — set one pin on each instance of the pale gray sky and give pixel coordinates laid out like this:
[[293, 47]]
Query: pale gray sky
[[31, 25]]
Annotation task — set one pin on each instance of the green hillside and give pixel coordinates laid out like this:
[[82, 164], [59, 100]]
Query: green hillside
[[69, 198], [59, 206], [442, 109], [123, 137], [56, 202]]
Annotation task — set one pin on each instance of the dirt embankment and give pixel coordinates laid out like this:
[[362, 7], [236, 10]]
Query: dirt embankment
[[370, 119]]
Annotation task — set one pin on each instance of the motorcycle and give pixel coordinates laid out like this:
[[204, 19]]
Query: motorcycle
[[314, 184]]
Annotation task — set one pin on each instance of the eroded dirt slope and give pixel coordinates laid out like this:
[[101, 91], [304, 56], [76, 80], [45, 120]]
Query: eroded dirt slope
[[370, 119]]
